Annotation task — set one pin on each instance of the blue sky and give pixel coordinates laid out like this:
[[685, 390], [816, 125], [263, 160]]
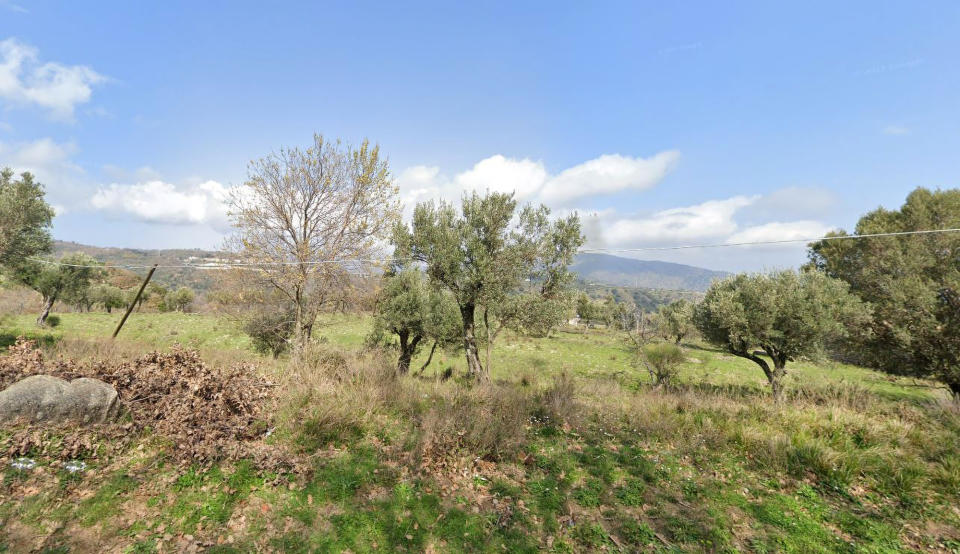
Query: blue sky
[[661, 123]]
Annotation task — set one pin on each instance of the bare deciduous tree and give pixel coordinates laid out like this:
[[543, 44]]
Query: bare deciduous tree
[[310, 217]]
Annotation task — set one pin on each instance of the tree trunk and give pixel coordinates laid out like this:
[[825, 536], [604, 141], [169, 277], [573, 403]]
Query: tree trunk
[[474, 367], [47, 305], [407, 348], [774, 375], [679, 338], [300, 338], [486, 328], [955, 390], [429, 358]]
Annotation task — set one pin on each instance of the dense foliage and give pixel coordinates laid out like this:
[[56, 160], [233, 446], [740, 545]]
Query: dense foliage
[[675, 320], [912, 281], [488, 254], [25, 218], [415, 312], [786, 315], [64, 279]]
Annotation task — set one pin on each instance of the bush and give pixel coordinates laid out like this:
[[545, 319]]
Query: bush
[[53, 320], [270, 332], [664, 358]]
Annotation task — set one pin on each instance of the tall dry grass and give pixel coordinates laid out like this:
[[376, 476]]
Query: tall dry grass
[[331, 396]]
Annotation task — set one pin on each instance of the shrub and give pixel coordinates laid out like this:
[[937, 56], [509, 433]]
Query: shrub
[[270, 332], [53, 320], [664, 359]]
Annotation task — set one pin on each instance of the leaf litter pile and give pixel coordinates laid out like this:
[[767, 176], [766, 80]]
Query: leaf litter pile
[[206, 414]]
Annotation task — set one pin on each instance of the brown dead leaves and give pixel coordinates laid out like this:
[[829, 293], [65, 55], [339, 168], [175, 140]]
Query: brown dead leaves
[[207, 413]]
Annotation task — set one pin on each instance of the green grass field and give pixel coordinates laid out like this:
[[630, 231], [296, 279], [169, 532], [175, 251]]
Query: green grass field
[[853, 461], [594, 353]]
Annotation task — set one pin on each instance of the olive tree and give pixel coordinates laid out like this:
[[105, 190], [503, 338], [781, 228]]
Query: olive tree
[[108, 296], [414, 311], [311, 216], [64, 279], [178, 300], [675, 320], [912, 282], [784, 315], [485, 254], [25, 218]]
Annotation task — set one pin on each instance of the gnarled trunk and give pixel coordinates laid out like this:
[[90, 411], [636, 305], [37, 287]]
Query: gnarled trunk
[[474, 367], [408, 346], [47, 306], [774, 375]]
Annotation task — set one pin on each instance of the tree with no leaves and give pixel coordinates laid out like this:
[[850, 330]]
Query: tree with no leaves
[[308, 215], [785, 314]]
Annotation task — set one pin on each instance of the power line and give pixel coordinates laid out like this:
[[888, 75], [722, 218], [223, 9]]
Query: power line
[[255, 265]]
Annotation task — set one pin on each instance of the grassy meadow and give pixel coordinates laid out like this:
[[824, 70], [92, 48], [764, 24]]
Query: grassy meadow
[[568, 449]]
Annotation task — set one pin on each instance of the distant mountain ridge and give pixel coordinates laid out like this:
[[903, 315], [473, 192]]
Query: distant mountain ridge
[[605, 269], [196, 279], [629, 272]]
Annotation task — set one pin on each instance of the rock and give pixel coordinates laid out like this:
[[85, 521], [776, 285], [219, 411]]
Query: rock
[[42, 398]]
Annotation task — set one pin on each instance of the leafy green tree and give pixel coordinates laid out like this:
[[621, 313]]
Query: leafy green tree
[[25, 219], [178, 300], [785, 315], [108, 296], [675, 320], [66, 279], [484, 254], [541, 302], [913, 283], [409, 308]]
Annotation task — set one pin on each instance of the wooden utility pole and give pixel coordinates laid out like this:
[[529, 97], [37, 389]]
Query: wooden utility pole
[[134, 302]]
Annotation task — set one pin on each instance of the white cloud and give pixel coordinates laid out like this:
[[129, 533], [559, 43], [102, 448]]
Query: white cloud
[[161, 202], [531, 181], [47, 159], [608, 174], [895, 130], [709, 220], [709, 223], [58, 88], [499, 174], [777, 230]]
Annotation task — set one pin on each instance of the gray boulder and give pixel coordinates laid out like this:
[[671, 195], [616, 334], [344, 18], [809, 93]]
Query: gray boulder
[[42, 398]]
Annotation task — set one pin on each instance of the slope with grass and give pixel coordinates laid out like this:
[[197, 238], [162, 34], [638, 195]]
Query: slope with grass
[[569, 449]]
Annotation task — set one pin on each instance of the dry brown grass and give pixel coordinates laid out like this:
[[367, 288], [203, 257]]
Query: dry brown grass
[[332, 397]]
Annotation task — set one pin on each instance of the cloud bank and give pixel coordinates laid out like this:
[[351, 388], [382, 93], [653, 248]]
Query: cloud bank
[[160, 202], [530, 180]]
